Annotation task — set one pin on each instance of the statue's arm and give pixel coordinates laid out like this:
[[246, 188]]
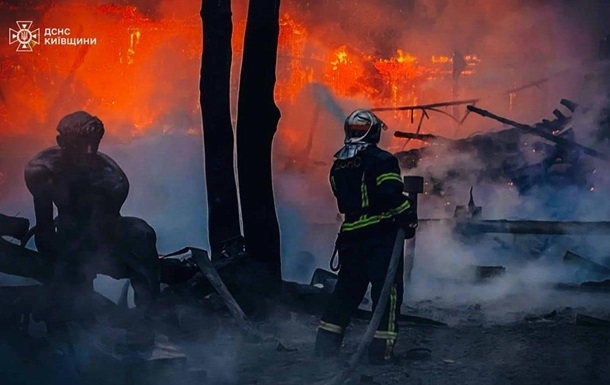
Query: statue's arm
[[121, 189], [112, 186], [38, 179]]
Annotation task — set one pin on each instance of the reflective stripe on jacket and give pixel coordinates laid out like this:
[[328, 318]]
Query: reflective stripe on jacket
[[368, 188]]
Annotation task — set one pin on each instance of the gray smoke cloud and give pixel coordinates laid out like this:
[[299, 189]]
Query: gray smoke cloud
[[517, 42]]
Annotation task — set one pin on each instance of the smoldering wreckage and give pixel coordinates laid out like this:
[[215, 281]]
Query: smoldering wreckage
[[220, 287]]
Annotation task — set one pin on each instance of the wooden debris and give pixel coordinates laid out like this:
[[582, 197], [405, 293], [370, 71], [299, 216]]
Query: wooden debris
[[22, 262], [559, 140], [545, 317], [597, 284], [533, 227], [575, 259], [585, 287], [205, 264], [14, 227], [585, 320], [485, 273]]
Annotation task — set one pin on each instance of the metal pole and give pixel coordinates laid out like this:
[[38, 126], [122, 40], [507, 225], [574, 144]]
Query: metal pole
[[413, 185]]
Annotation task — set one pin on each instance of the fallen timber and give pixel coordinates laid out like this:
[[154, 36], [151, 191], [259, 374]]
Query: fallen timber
[[20, 261], [559, 160], [577, 260], [422, 137], [559, 140], [585, 320], [524, 226], [598, 287]]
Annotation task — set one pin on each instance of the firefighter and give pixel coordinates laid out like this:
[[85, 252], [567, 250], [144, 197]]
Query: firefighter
[[368, 188]]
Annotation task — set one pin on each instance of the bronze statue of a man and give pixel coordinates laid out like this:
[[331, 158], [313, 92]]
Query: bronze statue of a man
[[89, 235]]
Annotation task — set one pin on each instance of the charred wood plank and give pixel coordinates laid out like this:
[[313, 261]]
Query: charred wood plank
[[575, 259], [585, 320], [586, 287], [597, 284], [13, 226], [561, 141], [201, 257], [423, 137], [570, 105], [204, 263], [538, 227], [22, 262], [426, 106], [525, 226]]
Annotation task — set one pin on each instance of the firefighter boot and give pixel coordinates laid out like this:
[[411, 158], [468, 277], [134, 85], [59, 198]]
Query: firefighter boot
[[381, 351], [328, 343]]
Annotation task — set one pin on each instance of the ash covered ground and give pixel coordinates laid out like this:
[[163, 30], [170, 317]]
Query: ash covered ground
[[514, 328]]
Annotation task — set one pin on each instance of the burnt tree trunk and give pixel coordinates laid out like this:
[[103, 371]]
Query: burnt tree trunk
[[214, 86], [257, 121]]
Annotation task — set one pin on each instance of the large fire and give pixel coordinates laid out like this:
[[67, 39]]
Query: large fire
[[143, 71]]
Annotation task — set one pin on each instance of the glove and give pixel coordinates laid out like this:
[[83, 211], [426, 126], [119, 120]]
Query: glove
[[408, 222]]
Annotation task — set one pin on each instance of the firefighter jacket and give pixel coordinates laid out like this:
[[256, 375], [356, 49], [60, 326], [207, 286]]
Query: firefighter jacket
[[368, 189]]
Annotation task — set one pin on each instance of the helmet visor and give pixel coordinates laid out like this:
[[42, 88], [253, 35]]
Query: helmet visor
[[358, 131]]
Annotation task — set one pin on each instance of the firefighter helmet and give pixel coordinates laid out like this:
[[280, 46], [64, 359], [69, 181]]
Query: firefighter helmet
[[363, 126]]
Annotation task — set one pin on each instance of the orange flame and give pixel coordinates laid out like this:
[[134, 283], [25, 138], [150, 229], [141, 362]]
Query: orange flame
[[143, 70]]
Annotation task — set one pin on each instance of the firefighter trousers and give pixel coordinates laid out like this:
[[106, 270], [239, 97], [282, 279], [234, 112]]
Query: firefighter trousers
[[365, 259]]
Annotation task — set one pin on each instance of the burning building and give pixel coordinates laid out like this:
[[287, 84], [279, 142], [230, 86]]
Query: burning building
[[138, 76], [140, 42]]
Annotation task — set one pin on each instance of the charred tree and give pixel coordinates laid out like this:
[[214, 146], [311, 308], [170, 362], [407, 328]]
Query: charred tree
[[257, 121], [214, 86]]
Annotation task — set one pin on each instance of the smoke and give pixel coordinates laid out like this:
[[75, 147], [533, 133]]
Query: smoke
[[150, 109], [517, 44], [534, 263], [145, 89]]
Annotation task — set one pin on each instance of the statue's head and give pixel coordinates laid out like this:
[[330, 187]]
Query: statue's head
[[80, 134]]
